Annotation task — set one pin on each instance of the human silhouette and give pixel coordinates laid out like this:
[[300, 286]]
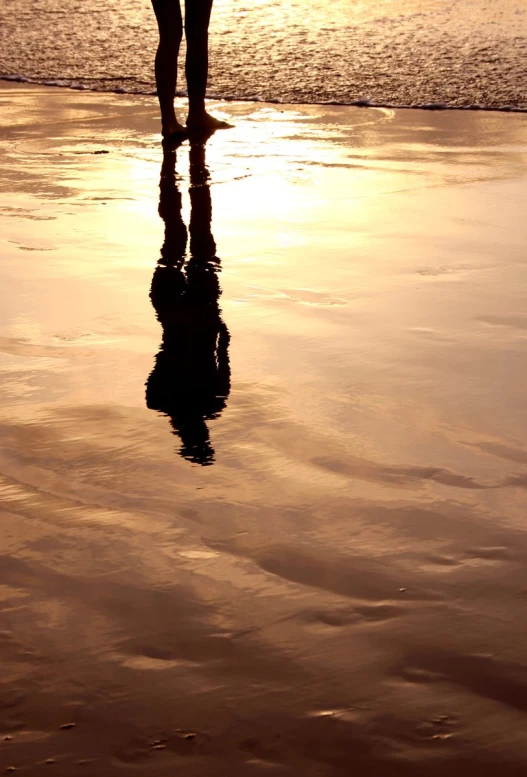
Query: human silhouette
[[170, 24], [190, 381]]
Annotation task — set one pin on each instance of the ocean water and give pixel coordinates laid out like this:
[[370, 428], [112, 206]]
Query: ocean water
[[442, 53]]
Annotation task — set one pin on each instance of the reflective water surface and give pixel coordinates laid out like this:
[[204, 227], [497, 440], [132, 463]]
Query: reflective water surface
[[342, 584]]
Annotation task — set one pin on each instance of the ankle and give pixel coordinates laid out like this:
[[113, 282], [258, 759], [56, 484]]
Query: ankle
[[197, 109]]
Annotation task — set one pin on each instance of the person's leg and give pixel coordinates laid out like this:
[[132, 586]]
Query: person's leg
[[169, 21], [197, 18]]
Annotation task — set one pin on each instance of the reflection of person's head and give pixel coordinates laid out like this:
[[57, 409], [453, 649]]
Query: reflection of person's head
[[190, 381]]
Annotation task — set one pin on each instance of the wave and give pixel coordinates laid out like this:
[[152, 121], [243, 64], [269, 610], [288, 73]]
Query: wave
[[358, 103]]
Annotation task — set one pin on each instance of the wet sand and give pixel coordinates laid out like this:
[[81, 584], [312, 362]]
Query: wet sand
[[263, 512]]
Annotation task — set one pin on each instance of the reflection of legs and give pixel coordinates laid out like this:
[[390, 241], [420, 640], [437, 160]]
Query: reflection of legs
[[175, 243], [197, 18], [168, 15], [190, 382], [202, 245]]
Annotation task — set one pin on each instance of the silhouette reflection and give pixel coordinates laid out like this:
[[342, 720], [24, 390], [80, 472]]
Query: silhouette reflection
[[190, 381]]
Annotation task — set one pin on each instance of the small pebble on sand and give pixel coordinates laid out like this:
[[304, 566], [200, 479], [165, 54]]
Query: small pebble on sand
[[66, 726]]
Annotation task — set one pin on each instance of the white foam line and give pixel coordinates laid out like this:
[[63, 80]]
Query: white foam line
[[360, 103]]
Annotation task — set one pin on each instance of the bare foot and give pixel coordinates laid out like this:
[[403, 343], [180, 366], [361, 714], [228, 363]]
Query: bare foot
[[204, 121], [172, 129], [173, 135]]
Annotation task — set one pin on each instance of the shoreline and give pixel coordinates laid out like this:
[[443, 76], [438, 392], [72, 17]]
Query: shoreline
[[359, 103]]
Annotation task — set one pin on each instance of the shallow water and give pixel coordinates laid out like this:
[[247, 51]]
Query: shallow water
[[343, 582], [410, 52]]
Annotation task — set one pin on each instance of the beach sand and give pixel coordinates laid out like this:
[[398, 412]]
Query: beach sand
[[341, 590]]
